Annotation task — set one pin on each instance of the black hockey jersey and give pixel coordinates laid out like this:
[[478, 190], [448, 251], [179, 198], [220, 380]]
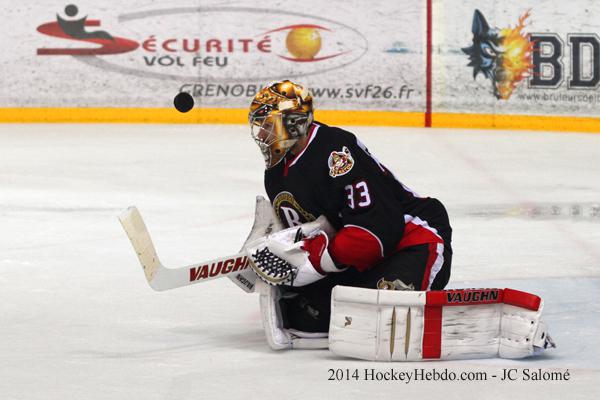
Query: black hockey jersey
[[374, 213]]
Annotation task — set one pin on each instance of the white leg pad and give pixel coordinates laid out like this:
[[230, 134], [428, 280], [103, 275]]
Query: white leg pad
[[385, 325], [278, 337]]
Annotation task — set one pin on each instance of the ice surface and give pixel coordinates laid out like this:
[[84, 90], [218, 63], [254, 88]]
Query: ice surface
[[78, 321]]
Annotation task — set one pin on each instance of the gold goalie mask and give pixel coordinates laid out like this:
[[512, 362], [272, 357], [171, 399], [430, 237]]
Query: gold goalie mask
[[280, 114]]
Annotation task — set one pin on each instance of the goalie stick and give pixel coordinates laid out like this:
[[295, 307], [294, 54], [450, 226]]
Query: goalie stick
[[236, 267]]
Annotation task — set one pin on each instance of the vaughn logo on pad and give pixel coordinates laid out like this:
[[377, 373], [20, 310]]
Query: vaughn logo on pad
[[473, 296]]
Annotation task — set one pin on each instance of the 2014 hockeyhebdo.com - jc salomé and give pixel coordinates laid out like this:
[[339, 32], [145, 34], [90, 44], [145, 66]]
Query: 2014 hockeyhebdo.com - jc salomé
[[446, 375]]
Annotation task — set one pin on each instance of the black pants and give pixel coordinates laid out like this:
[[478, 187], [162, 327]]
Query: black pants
[[307, 308]]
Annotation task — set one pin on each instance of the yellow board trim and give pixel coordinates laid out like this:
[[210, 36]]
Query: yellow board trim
[[332, 117], [196, 116], [528, 122]]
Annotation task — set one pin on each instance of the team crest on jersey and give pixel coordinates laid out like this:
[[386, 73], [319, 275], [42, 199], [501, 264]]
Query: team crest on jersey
[[340, 162], [289, 211]]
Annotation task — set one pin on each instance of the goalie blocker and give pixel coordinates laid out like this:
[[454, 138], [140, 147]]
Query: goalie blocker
[[390, 325]]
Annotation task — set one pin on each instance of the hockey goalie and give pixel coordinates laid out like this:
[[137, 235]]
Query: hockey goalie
[[348, 258]]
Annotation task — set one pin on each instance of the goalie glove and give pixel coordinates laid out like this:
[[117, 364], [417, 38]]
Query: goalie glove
[[286, 258]]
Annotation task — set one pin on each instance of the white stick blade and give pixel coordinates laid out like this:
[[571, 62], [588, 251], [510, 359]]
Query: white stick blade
[[136, 230]]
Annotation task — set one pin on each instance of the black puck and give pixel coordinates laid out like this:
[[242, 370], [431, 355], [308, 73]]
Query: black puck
[[183, 102]]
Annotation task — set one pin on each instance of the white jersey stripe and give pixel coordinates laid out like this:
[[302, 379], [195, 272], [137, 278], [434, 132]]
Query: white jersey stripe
[[437, 265], [418, 221]]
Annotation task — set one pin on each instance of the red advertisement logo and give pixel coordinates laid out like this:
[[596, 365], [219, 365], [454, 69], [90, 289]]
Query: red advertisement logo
[[74, 28]]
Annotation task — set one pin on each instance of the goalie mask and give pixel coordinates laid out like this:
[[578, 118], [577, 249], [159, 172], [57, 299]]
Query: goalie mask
[[280, 114]]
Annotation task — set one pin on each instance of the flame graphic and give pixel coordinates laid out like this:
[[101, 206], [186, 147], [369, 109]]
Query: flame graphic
[[516, 58]]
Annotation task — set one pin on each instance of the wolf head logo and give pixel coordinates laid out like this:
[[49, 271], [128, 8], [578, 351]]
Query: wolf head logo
[[485, 51], [502, 55]]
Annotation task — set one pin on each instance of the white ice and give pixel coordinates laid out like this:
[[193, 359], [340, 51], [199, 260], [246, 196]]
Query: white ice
[[78, 320]]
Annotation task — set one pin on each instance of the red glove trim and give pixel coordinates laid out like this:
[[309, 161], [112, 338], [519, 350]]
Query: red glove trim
[[315, 247]]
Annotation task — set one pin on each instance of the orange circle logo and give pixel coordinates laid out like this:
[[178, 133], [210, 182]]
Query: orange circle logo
[[303, 42]]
